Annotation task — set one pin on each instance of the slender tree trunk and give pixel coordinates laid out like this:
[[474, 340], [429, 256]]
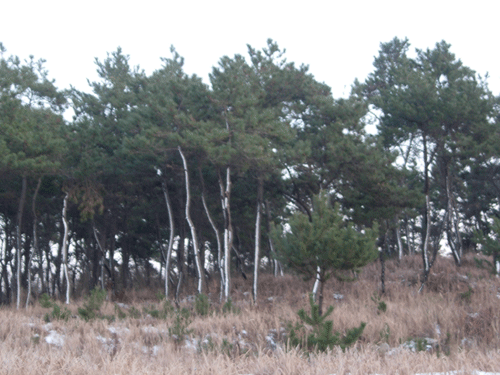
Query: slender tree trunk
[[398, 238], [35, 238], [427, 217], [277, 269], [320, 297], [65, 247], [168, 255], [217, 236], [258, 218], [196, 248], [102, 257], [316, 284], [228, 230], [452, 230], [181, 259], [18, 239]]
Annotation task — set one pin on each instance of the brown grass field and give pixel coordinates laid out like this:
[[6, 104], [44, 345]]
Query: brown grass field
[[459, 313]]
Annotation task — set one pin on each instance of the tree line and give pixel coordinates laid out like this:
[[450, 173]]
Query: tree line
[[163, 168]]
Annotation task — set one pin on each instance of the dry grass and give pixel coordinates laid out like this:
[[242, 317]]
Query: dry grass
[[460, 310]]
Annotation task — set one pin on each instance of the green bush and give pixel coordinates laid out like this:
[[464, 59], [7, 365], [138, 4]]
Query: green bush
[[180, 326], [381, 305], [93, 304], [322, 337], [201, 304], [229, 308], [45, 301], [57, 313]]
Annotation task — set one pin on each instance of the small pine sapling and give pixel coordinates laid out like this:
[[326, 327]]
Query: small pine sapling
[[322, 337]]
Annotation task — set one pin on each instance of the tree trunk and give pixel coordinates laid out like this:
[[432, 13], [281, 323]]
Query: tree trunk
[[320, 297], [260, 194], [196, 248], [228, 230], [180, 259], [398, 238], [277, 268], [20, 210], [102, 257], [65, 247], [452, 230], [168, 255], [427, 218], [217, 237], [316, 284], [35, 239]]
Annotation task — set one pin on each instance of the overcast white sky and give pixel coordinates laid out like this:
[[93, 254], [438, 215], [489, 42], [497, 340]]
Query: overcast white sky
[[337, 39]]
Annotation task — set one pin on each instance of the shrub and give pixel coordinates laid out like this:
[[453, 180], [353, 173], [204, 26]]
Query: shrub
[[92, 305], [202, 305], [57, 313], [321, 338]]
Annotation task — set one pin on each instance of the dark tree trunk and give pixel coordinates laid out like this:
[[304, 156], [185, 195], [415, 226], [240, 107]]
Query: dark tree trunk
[[20, 210]]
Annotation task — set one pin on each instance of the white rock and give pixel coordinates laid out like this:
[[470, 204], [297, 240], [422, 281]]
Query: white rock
[[54, 338]]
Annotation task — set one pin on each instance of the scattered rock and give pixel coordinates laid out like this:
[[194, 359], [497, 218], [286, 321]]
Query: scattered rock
[[338, 296], [54, 338]]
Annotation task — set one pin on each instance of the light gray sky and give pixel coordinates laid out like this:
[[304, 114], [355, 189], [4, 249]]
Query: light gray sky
[[337, 39]]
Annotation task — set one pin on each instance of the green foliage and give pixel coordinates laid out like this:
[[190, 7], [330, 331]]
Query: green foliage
[[490, 245], [324, 240], [119, 312], [92, 305], [202, 304], [45, 301], [57, 313], [134, 313], [229, 308], [467, 295], [160, 296], [322, 337], [180, 327], [381, 305]]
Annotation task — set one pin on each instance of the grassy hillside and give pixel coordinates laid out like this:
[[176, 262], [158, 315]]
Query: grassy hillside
[[453, 325]]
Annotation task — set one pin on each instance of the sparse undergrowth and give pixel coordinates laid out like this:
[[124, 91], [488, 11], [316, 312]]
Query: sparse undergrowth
[[453, 325]]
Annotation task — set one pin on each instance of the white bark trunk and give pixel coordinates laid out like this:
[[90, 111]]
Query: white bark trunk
[[65, 247], [425, 248], [199, 267], [400, 243], [257, 253], [168, 256], [228, 231], [219, 244], [316, 284]]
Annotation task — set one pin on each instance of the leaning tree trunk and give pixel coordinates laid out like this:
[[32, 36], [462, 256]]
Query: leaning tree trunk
[[168, 256], [196, 249], [65, 247], [217, 236], [258, 218], [18, 239], [35, 239]]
